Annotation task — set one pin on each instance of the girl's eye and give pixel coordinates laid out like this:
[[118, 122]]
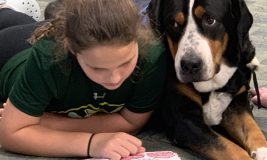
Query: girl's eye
[[97, 69], [209, 20]]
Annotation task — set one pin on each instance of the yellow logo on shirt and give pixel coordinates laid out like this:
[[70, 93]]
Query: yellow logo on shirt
[[88, 110]]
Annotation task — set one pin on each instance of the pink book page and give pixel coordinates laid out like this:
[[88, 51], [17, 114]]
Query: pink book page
[[157, 155]]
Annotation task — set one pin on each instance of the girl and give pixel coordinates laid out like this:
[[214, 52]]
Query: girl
[[91, 79]]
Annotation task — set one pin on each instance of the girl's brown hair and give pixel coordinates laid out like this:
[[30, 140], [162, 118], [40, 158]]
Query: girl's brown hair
[[83, 24]]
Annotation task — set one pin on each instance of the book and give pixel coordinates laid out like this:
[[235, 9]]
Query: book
[[157, 155]]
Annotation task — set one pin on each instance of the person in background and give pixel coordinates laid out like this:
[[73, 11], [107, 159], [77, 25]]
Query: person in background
[[86, 84], [263, 96]]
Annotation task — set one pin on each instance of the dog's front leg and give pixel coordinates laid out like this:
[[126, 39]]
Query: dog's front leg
[[221, 149], [240, 124]]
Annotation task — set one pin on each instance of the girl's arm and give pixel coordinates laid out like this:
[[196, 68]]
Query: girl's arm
[[125, 121], [22, 133]]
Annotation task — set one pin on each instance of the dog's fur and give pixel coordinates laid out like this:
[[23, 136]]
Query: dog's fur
[[210, 70]]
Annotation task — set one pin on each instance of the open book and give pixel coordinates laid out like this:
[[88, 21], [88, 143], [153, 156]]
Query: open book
[[158, 155]]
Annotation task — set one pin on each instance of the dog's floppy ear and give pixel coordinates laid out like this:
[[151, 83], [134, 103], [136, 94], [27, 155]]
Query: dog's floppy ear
[[154, 11], [245, 20]]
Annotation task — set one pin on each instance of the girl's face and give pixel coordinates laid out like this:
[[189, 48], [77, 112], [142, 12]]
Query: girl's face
[[109, 65]]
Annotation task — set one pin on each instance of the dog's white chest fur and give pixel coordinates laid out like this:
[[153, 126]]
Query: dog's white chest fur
[[219, 101], [213, 109]]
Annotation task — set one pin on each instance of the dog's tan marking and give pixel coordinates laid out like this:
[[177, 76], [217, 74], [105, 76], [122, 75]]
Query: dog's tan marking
[[180, 18], [241, 90], [218, 48], [190, 92], [199, 11], [173, 46], [245, 130]]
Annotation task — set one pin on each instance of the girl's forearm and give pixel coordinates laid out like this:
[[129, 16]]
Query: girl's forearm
[[40, 141]]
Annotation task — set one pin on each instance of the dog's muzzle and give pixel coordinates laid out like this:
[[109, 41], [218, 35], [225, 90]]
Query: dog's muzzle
[[191, 68]]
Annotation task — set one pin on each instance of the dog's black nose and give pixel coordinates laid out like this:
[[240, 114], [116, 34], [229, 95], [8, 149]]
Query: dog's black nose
[[191, 64]]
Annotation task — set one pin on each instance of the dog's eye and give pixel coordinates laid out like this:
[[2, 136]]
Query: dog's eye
[[209, 20]]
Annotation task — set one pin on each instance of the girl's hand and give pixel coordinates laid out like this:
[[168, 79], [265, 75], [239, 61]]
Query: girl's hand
[[115, 145], [263, 96]]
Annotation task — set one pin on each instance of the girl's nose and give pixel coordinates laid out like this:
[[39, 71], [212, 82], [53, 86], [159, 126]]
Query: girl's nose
[[115, 77]]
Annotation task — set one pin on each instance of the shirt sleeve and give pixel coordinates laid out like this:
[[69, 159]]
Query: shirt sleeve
[[34, 88], [147, 92]]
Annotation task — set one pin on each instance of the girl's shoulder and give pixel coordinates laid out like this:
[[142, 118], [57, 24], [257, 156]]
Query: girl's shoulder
[[45, 53]]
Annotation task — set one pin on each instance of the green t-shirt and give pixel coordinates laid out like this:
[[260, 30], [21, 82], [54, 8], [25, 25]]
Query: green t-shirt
[[35, 83]]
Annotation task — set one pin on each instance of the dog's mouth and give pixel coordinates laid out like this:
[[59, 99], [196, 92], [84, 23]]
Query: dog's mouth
[[190, 77]]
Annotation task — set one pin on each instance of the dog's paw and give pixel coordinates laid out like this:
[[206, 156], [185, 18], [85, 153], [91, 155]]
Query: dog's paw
[[259, 154]]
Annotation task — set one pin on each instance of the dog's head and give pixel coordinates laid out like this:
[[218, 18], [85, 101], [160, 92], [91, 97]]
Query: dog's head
[[208, 39]]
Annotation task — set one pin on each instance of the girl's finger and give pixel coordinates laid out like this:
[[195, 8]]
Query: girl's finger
[[141, 150], [134, 140], [114, 155], [132, 148], [122, 151]]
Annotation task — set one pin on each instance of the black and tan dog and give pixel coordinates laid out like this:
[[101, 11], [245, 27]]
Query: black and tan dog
[[213, 59]]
